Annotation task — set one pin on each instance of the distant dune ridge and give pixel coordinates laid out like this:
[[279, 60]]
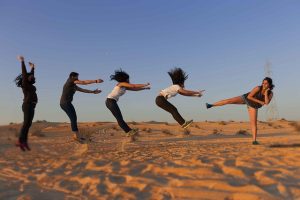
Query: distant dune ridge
[[211, 160]]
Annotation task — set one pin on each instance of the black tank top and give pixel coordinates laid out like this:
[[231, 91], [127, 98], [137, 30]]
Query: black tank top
[[259, 96]]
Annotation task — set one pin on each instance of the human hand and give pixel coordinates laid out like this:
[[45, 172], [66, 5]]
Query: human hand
[[20, 58], [97, 91], [99, 81], [267, 91], [31, 65]]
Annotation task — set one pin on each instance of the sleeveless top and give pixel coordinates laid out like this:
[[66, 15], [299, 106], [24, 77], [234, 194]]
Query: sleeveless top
[[117, 92], [171, 91], [259, 95]]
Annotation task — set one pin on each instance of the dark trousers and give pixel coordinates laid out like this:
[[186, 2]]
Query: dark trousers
[[112, 105], [167, 106], [70, 110], [28, 110]]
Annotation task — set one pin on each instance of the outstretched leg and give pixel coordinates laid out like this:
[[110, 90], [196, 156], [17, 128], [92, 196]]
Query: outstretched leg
[[234, 100], [253, 122], [112, 105], [167, 106]]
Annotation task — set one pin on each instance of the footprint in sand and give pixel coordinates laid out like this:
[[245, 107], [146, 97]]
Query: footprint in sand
[[83, 148]]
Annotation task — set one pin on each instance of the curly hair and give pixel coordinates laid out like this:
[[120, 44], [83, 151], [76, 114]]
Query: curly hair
[[120, 76], [178, 76]]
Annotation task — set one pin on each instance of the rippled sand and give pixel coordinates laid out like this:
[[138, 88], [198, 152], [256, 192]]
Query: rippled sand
[[212, 162]]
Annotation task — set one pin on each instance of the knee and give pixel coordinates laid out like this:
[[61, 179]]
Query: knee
[[27, 124], [253, 125], [157, 102], [74, 120], [174, 110]]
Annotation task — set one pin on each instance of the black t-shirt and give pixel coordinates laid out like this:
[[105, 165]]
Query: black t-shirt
[[68, 91]]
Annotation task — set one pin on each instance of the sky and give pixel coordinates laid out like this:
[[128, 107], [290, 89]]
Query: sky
[[222, 45]]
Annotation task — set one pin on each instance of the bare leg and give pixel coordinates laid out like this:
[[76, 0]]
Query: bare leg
[[234, 100], [253, 121]]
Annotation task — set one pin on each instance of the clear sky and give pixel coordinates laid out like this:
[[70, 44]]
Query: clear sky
[[222, 45]]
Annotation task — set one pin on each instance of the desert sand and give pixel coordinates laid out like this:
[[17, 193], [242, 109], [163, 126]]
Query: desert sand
[[213, 160]]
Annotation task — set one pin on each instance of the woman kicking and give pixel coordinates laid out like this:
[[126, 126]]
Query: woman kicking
[[258, 97], [26, 82], [66, 99], [178, 77], [111, 102]]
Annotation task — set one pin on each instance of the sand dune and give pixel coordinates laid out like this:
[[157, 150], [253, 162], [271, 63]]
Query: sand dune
[[212, 162]]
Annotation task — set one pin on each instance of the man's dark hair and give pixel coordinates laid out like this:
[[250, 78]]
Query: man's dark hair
[[73, 74]]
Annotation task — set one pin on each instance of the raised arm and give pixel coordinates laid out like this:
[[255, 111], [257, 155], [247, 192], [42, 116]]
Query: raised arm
[[87, 82], [252, 98], [32, 66], [189, 93], [134, 87], [88, 91], [23, 67], [24, 71]]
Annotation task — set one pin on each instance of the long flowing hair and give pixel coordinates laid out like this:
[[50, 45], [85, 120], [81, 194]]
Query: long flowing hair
[[120, 76], [178, 76]]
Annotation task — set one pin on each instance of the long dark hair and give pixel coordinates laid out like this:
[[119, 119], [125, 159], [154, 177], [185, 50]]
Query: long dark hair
[[120, 76], [270, 81], [19, 79], [178, 76]]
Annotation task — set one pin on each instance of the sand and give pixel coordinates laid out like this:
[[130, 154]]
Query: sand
[[212, 162]]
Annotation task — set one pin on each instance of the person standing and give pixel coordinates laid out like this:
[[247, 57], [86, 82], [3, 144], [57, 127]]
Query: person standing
[[258, 97]]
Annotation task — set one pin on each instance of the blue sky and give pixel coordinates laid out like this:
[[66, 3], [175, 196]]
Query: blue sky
[[222, 45]]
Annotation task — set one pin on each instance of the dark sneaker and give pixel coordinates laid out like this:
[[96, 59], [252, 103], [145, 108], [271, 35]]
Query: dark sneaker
[[255, 143], [80, 140], [132, 132], [187, 124], [27, 146], [208, 105], [21, 145]]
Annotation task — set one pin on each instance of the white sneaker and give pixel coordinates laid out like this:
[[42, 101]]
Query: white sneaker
[[187, 124]]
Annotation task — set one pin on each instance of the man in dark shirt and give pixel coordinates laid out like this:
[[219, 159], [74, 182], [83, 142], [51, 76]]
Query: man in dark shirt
[[66, 99]]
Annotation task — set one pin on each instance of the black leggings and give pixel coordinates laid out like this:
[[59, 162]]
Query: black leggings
[[167, 106], [28, 110], [70, 110], [112, 105]]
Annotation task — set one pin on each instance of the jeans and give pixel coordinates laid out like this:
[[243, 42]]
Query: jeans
[[28, 110], [167, 106], [70, 110], [112, 105]]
